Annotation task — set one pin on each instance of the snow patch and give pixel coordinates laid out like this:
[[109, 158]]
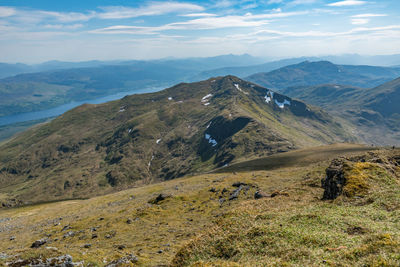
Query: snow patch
[[206, 104], [210, 140], [268, 98], [208, 125], [130, 130], [204, 99], [149, 164], [282, 104], [240, 89], [158, 141], [169, 98], [121, 109], [337, 86]]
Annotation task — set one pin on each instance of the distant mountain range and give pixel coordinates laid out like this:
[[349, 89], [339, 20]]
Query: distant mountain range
[[188, 128], [44, 90], [324, 72]]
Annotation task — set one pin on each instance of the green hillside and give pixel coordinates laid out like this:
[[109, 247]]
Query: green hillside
[[185, 129]]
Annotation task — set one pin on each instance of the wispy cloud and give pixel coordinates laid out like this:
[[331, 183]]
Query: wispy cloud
[[348, 3], [368, 15], [359, 21], [199, 15], [6, 11], [119, 12], [63, 26]]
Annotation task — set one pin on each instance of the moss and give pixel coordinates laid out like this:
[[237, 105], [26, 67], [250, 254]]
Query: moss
[[357, 176]]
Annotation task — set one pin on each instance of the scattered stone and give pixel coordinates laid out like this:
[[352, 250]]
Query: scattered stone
[[221, 201], [94, 236], [259, 194], [160, 251], [130, 258], [67, 227], [87, 245], [110, 234], [129, 221], [213, 190], [121, 247], [235, 193], [12, 238], [69, 234], [279, 193], [159, 198], [224, 190], [93, 229], [238, 184], [101, 219], [38, 243]]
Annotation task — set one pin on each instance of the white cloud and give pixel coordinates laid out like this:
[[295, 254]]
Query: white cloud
[[119, 12], [62, 26], [301, 2], [199, 15], [368, 15], [6, 11], [348, 3], [270, 2], [65, 17], [359, 21]]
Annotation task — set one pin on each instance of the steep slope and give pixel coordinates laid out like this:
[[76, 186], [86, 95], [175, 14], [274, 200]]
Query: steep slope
[[324, 72], [95, 149]]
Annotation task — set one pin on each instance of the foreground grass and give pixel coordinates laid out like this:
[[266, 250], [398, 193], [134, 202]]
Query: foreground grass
[[301, 230], [194, 227]]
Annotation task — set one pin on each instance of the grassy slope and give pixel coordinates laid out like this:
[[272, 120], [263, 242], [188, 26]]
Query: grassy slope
[[97, 149], [191, 210], [298, 229]]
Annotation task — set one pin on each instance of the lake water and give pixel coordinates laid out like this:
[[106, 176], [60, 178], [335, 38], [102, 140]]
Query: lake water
[[48, 113]]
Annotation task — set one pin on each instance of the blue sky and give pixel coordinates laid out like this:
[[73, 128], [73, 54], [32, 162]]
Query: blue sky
[[39, 30]]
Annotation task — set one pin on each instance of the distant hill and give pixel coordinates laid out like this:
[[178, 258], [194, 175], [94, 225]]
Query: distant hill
[[323, 72], [63, 82], [375, 112], [188, 128]]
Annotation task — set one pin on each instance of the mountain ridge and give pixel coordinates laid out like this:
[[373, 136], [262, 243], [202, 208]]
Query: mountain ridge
[[188, 128]]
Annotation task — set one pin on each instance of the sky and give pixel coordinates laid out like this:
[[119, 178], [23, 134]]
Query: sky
[[33, 31]]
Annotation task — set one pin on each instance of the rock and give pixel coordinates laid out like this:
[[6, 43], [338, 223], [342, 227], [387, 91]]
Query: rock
[[101, 219], [259, 194], [279, 193], [66, 228], [121, 247], [238, 184], [87, 245], [159, 198], [334, 180], [213, 190], [128, 259], [129, 221], [69, 234], [94, 236], [160, 251], [221, 201], [12, 238], [110, 234], [38, 243], [235, 193]]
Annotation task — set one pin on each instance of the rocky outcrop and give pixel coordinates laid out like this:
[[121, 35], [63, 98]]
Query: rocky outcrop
[[334, 180]]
